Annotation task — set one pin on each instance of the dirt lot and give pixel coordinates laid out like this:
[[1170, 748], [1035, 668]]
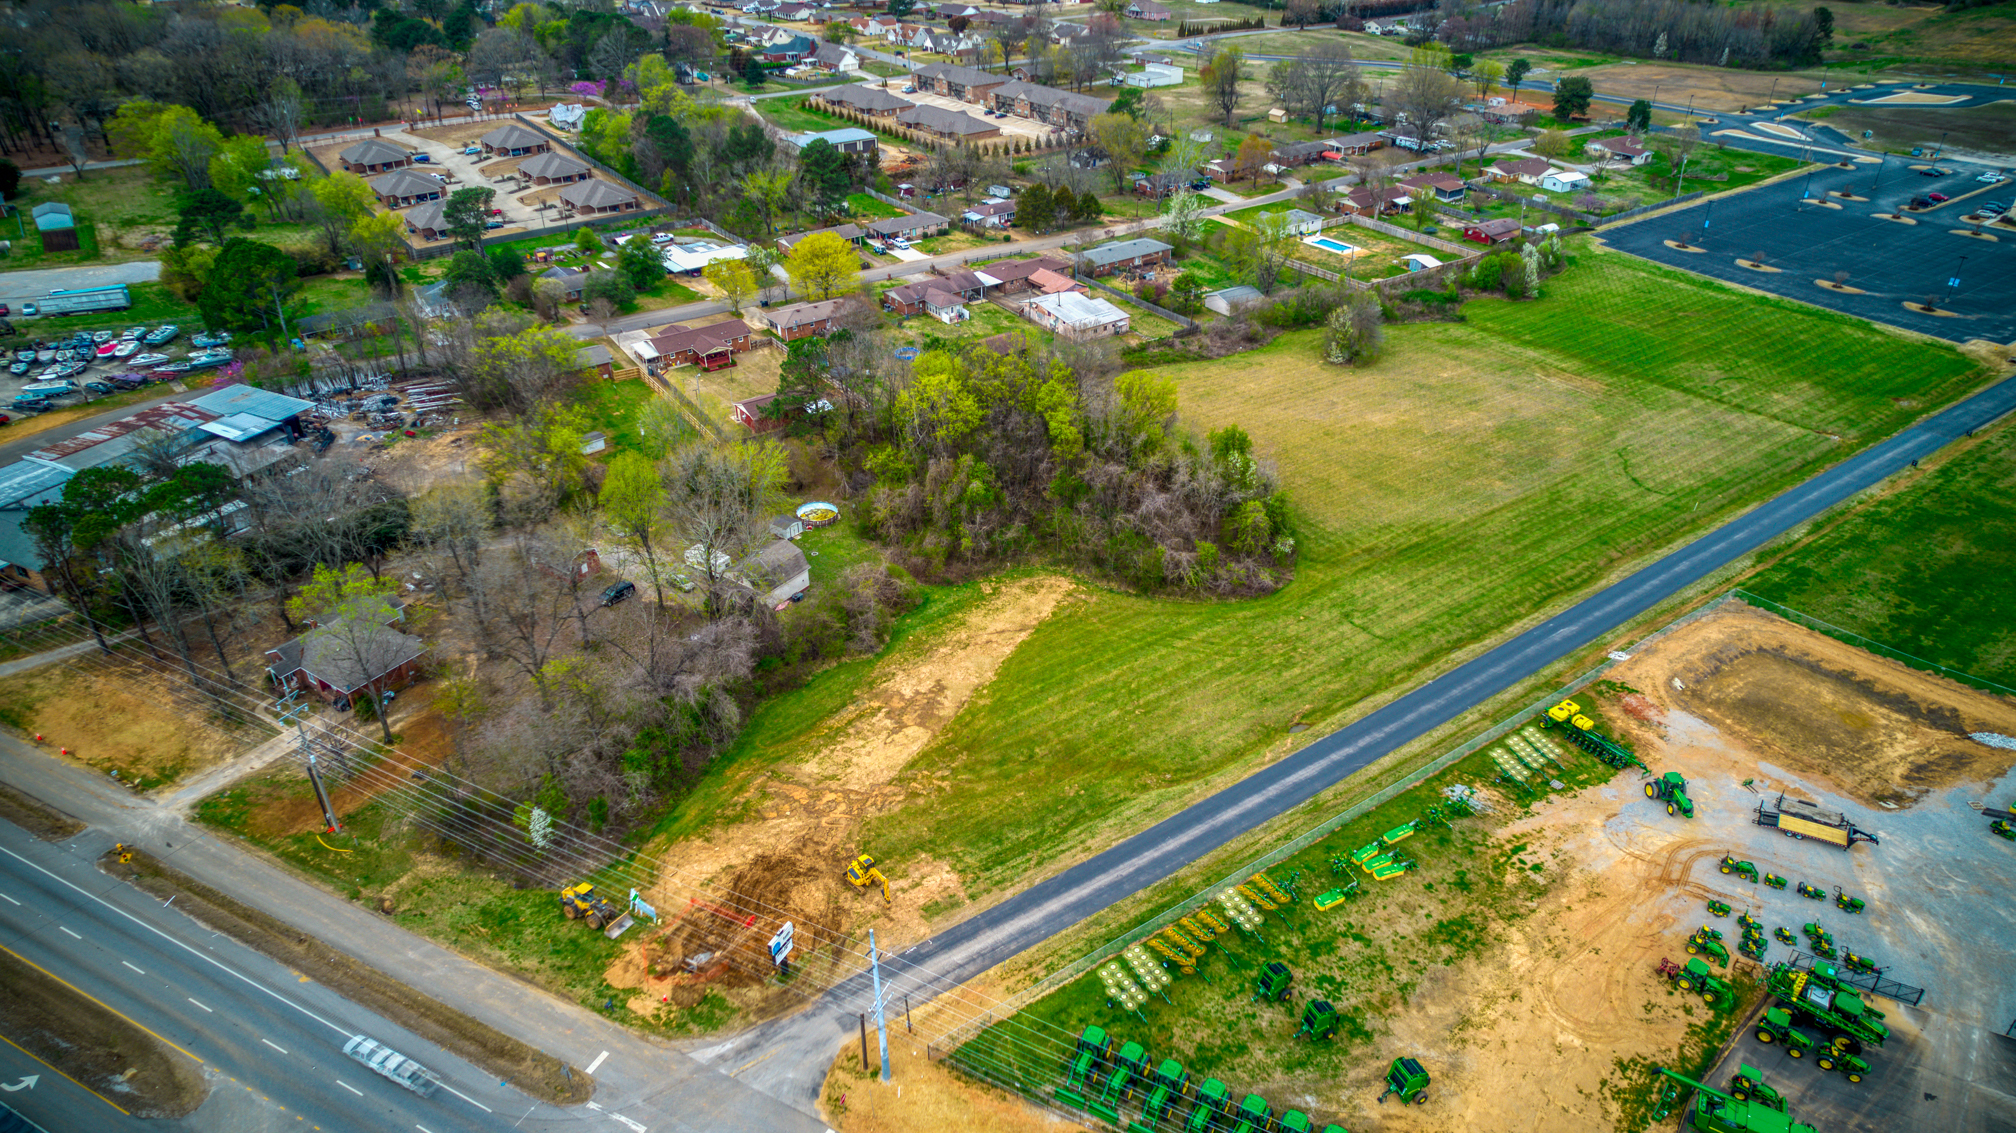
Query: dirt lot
[[788, 862], [119, 716], [1710, 88]]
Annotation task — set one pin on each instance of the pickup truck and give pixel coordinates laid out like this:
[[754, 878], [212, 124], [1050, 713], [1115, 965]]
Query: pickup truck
[[389, 1063]]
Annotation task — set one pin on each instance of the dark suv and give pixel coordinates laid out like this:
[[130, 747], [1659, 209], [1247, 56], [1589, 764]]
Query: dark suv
[[617, 592]]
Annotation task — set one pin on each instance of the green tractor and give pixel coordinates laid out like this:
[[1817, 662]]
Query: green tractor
[[1319, 1020], [1696, 977], [1855, 963], [1748, 1084], [1744, 870], [1168, 1085], [1752, 946], [1130, 1074], [1836, 1057], [1718, 908], [1085, 1066], [2002, 829], [1671, 789], [1812, 891], [1707, 942], [1273, 983], [1749, 923], [1847, 904], [1254, 1115], [1214, 1105], [1295, 1121], [1717, 1112], [1776, 1027], [1774, 881], [1407, 1079]]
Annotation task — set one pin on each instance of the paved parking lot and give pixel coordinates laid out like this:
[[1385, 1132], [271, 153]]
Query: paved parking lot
[[1890, 262]]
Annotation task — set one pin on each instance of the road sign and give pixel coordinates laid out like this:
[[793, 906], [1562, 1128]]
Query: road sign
[[1954, 282], [780, 944]]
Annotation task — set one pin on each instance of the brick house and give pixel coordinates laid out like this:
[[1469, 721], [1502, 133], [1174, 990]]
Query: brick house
[[1148, 10], [571, 280], [912, 227], [404, 188], [375, 155], [804, 320], [1352, 145], [1525, 171], [711, 347], [955, 81], [1301, 153], [1060, 108], [593, 198], [336, 661], [1492, 232], [942, 123], [424, 220], [749, 414], [1124, 255], [1627, 149], [849, 232], [930, 297], [514, 140], [553, 169], [1439, 186], [864, 99], [1007, 277]]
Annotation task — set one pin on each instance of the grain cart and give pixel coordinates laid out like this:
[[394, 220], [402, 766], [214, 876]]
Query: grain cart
[[1406, 1078], [1776, 1027], [1717, 1112], [1671, 789], [1273, 982], [1748, 1084], [1319, 1020], [1818, 996], [1744, 870]]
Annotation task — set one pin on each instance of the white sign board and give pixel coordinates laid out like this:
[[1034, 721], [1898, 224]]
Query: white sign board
[[780, 945]]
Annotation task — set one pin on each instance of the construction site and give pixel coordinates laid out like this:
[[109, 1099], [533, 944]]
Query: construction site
[[1656, 873]]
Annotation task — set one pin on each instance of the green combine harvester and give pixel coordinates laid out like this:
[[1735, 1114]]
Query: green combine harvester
[[1581, 731], [1671, 789], [1820, 996], [1717, 1112], [1407, 1079]]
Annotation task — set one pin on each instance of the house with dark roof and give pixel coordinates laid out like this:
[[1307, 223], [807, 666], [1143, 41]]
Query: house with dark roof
[[849, 232], [931, 297], [424, 220], [404, 188], [1364, 201], [337, 660], [956, 81], [1147, 10], [553, 168], [790, 51], [1124, 255], [1490, 232], [25, 485], [836, 59], [571, 281], [375, 155], [593, 198], [913, 227], [1006, 277], [711, 347], [776, 574], [864, 99], [1351, 145], [804, 320], [1301, 153], [1627, 150], [1524, 171], [1061, 108], [990, 214], [942, 123], [1439, 186], [514, 139]]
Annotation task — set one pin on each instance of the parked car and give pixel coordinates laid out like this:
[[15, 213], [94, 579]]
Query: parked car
[[618, 592], [1933, 171], [1993, 208], [493, 224], [129, 381], [422, 158], [1919, 203], [100, 388], [5, 311], [899, 242], [4, 418], [30, 310], [472, 151], [1937, 198], [31, 405], [1989, 178]]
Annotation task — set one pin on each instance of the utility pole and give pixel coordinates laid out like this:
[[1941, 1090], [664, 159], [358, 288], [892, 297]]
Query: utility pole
[[292, 709], [881, 1029], [1953, 284]]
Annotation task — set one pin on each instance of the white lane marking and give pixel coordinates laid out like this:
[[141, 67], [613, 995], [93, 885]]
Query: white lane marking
[[274, 1045], [423, 1129], [9, 900], [204, 1008], [349, 1087], [467, 1098], [597, 1064], [186, 947], [637, 1128], [69, 934], [129, 964]]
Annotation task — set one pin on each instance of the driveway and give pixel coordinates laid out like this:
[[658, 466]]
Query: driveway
[[17, 287]]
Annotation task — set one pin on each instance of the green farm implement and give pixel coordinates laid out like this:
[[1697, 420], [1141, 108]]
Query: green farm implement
[[1718, 908], [2002, 829], [1273, 983], [1708, 942], [1774, 881], [1749, 923], [1407, 1079], [1784, 935], [1295, 1121], [1818, 995], [1696, 977], [1168, 1085], [1852, 1067], [1129, 1076], [1717, 1112], [1085, 1067], [1776, 1027], [1744, 870], [1856, 963], [1847, 904], [1319, 1020], [1581, 731], [1812, 891], [1752, 946], [1818, 940], [1214, 1106], [1254, 1115], [1671, 789], [1330, 899], [1747, 1084]]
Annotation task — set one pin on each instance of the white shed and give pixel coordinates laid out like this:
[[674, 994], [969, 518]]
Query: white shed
[[1564, 181]]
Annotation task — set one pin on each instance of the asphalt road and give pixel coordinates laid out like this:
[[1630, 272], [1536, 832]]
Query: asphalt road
[[803, 1044], [17, 287]]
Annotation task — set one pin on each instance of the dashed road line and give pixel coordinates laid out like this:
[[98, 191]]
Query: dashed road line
[[349, 1087], [597, 1064], [69, 933], [274, 1045], [129, 964], [199, 1004]]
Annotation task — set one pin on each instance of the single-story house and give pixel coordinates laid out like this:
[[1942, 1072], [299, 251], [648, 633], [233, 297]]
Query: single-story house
[[1302, 223], [1439, 186], [1627, 149], [375, 155], [1364, 202], [596, 359], [424, 220], [404, 188], [1565, 181], [691, 257], [1044, 281], [1525, 170], [790, 50], [776, 574], [592, 197], [571, 281], [1219, 170], [1302, 153], [837, 59], [990, 214], [955, 81], [849, 232], [1075, 316], [912, 227], [1064, 109], [711, 347], [1492, 231], [553, 168], [336, 661], [1232, 300], [1147, 10], [1007, 277], [1124, 255], [864, 99], [1351, 145], [968, 285], [803, 320], [513, 139], [942, 123], [851, 139], [930, 297]]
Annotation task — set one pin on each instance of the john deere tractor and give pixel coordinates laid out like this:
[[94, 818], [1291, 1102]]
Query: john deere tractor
[[1696, 977], [1747, 1084], [1718, 908], [1776, 1027], [1836, 1057], [1774, 881], [1168, 1085], [1214, 1108], [1744, 870], [1671, 789], [1708, 942], [1406, 1078], [1812, 891], [1847, 904], [1717, 1112]]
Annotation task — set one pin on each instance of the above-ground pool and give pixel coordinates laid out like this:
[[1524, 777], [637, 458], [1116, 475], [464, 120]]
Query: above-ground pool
[[1329, 245]]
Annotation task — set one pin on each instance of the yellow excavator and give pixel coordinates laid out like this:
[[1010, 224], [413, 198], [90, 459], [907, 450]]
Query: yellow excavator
[[862, 874]]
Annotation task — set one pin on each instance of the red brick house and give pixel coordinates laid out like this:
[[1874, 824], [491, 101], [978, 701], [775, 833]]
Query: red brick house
[[553, 169], [591, 198], [804, 320], [375, 155], [1491, 232], [712, 347], [336, 661], [749, 415], [1007, 277]]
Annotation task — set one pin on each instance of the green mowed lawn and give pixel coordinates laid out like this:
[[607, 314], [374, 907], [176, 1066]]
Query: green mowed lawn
[[1483, 471], [1924, 569]]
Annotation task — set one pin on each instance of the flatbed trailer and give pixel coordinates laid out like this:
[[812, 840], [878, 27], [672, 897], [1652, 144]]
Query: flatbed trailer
[[1804, 820]]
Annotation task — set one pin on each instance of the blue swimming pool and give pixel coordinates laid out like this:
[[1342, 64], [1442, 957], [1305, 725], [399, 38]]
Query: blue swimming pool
[[1329, 245]]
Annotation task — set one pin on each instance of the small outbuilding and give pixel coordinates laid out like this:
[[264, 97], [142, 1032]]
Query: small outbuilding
[[786, 527]]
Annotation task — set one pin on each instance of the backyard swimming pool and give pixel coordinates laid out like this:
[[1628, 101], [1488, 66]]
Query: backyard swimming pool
[[1329, 245]]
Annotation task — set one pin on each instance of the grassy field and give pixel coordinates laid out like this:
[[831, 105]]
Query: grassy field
[[115, 209], [1920, 568], [1483, 471]]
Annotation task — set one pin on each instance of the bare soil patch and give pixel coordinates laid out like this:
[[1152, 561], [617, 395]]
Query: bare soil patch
[[922, 1094], [36, 817], [120, 1061], [1709, 88], [1872, 728], [538, 1074], [123, 716]]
